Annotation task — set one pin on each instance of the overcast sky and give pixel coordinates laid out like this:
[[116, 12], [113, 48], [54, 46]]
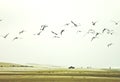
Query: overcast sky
[[73, 47]]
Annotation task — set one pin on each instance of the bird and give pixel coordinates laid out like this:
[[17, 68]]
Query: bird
[[43, 27], [21, 31], [15, 38], [97, 34], [74, 24], [94, 23], [79, 31], [111, 32], [54, 33], [90, 31], [108, 31], [110, 44], [104, 30], [116, 22], [56, 37], [62, 31], [67, 24], [6, 35], [39, 33], [93, 38]]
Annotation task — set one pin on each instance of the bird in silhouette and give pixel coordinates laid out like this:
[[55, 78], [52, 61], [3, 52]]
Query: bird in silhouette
[[62, 31], [15, 38], [74, 24], [93, 38], [54, 33], [43, 27], [110, 31], [67, 24], [116, 22], [39, 33], [79, 31], [56, 37], [97, 34], [90, 31], [110, 44], [21, 31], [94, 23], [6, 35], [105, 29]]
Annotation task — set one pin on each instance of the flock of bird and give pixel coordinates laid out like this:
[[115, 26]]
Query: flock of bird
[[57, 35]]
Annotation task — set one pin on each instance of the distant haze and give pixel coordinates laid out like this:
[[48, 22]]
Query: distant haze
[[73, 47]]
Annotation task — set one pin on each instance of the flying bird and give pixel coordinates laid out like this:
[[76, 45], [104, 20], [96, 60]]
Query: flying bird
[[97, 34], [21, 31], [90, 31], [56, 37], [110, 32], [104, 30], [79, 31], [67, 24], [5, 35], [116, 22], [39, 33], [54, 33], [43, 27], [62, 31], [94, 23], [74, 24], [110, 44], [15, 38], [93, 38]]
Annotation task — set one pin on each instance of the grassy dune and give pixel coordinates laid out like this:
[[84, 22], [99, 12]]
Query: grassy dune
[[61, 75], [34, 78], [39, 74]]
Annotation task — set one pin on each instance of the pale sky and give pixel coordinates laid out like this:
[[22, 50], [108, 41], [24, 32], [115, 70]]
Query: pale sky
[[72, 48]]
